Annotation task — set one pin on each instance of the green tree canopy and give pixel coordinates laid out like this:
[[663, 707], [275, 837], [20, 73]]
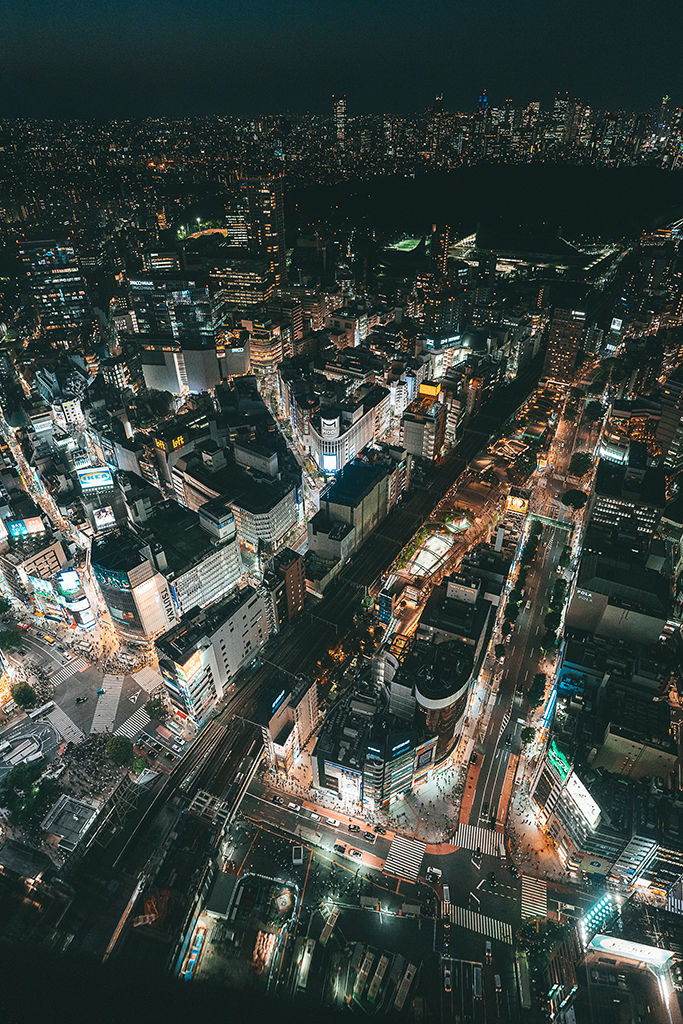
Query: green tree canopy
[[527, 734], [593, 412], [506, 628], [536, 692], [120, 749], [24, 695], [580, 464], [9, 640], [156, 709], [552, 620], [499, 650], [574, 499], [565, 558], [5, 605]]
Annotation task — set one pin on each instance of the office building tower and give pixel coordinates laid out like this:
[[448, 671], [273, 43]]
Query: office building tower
[[263, 200], [566, 333], [199, 657], [439, 249], [287, 712], [137, 596], [57, 288], [339, 117]]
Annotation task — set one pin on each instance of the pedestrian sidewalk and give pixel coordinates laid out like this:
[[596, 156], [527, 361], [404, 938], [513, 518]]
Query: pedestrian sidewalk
[[533, 852]]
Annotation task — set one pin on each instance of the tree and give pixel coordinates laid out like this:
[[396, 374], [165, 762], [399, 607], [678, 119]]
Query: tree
[[120, 749], [156, 709], [9, 640], [506, 628], [593, 412], [511, 611], [139, 765], [552, 620], [580, 464], [574, 499], [565, 558], [24, 695], [527, 734], [536, 692], [499, 650], [5, 605]]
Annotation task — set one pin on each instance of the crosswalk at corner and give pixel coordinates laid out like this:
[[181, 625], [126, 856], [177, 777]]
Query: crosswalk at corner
[[534, 897], [474, 922], [137, 721], [77, 665]]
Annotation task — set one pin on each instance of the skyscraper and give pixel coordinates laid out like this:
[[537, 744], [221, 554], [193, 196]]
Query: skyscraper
[[58, 290], [263, 199], [566, 332], [339, 117]]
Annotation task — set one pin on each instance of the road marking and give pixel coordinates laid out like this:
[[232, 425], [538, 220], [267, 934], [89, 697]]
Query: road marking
[[534, 897], [476, 922]]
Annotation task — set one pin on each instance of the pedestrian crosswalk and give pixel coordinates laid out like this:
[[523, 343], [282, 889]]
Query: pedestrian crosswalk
[[67, 729], [69, 670], [474, 922], [534, 897], [107, 704], [405, 858], [137, 721], [470, 837]]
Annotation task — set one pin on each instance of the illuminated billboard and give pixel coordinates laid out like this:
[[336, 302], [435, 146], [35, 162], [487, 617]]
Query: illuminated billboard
[[616, 324], [583, 800], [95, 479], [329, 463], [192, 666], [631, 950], [69, 582], [42, 587], [559, 761], [25, 527], [104, 517], [516, 504]]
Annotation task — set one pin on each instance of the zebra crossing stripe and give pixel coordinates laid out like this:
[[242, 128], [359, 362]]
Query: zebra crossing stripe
[[471, 837], [674, 905], [534, 897], [137, 721], [69, 670], [405, 858], [475, 922]]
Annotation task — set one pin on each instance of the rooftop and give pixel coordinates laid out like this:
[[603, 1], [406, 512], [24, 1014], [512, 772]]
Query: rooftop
[[183, 640]]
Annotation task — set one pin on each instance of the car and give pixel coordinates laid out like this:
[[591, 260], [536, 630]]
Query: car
[[474, 757], [152, 753], [338, 848], [446, 948], [508, 740], [81, 700], [380, 830], [170, 756], [356, 853], [489, 953], [514, 872], [485, 807], [314, 816], [370, 836], [492, 878], [354, 828], [446, 979], [332, 822], [277, 800], [157, 746], [23, 626], [294, 807]]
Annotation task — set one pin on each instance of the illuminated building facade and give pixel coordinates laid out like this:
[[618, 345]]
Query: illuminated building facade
[[199, 657], [263, 200], [288, 715], [566, 333], [57, 288]]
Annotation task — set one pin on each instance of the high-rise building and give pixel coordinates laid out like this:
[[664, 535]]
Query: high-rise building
[[199, 657], [289, 565], [566, 333], [137, 596], [339, 116], [439, 248], [263, 201], [57, 288]]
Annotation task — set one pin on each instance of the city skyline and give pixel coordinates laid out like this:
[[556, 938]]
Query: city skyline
[[140, 60]]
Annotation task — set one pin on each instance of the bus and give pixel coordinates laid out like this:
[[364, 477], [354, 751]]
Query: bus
[[404, 987], [378, 977], [476, 983], [305, 965]]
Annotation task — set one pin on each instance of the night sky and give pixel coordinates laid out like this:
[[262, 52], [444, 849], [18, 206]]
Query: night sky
[[91, 58]]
